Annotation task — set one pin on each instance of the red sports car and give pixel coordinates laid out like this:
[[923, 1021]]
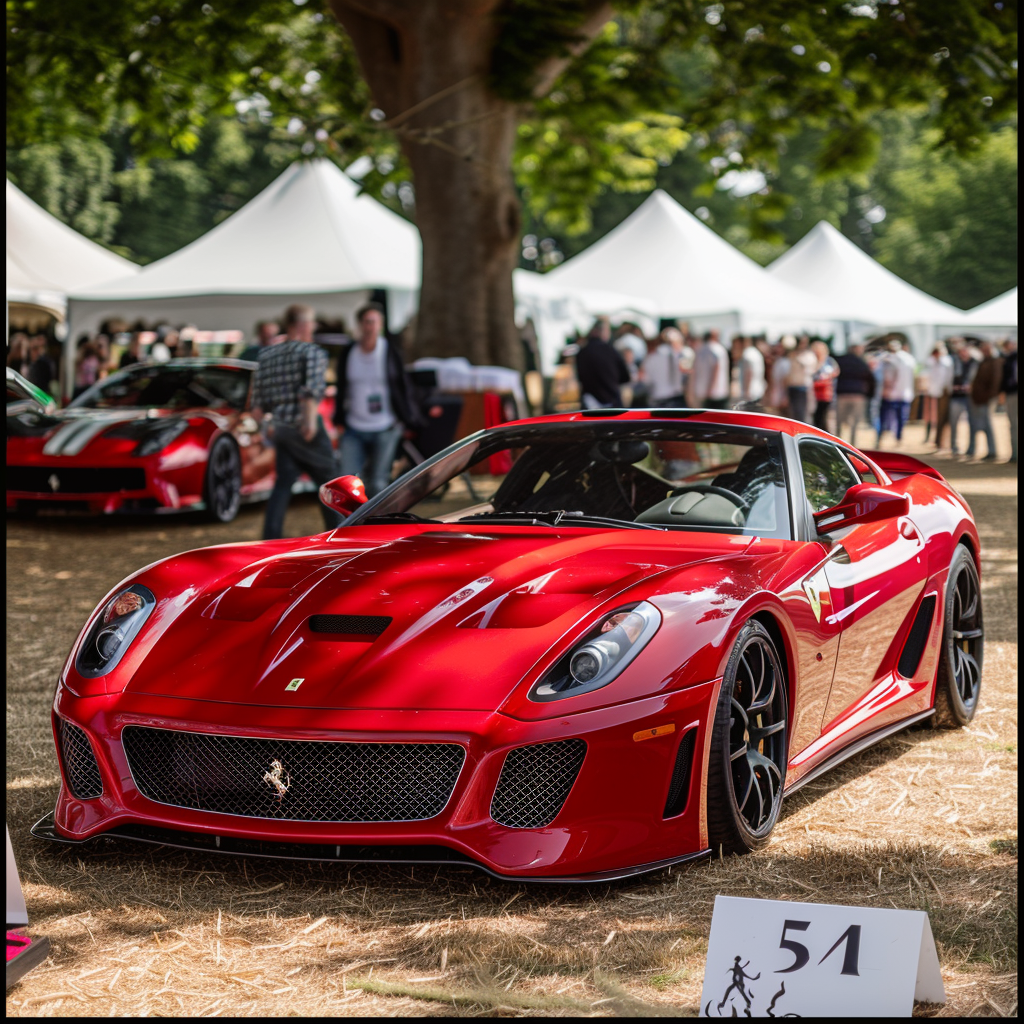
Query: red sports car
[[156, 437], [657, 625]]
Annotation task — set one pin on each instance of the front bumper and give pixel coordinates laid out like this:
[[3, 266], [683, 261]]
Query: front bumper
[[611, 825]]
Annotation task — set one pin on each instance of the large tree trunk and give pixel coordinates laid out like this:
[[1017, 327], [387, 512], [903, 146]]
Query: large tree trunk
[[427, 63]]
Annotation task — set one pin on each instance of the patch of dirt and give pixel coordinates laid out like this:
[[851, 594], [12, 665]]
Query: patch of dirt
[[926, 820]]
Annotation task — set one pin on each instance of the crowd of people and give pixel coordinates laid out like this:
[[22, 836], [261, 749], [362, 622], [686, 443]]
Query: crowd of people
[[870, 387]]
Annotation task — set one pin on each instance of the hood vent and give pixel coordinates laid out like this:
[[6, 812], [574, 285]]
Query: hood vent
[[362, 626]]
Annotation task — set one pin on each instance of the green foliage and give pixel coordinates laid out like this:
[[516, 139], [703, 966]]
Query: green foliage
[[202, 104], [71, 179], [952, 228], [161, 70]]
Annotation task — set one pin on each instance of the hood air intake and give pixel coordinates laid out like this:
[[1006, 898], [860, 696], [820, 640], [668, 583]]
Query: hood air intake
[[350, 625]]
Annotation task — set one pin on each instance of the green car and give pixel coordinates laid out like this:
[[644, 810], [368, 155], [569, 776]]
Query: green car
[[23, 396]]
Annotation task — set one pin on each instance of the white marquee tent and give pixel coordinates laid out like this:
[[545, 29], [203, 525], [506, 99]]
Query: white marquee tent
[[870, 297], [46, 259], [667, 256], [308, 237]]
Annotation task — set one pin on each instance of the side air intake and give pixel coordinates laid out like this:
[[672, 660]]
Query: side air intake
[[679, 787], [350, 625], [81, 771], [913, 649]]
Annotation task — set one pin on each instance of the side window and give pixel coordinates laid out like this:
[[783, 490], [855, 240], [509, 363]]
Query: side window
[[827, 475]]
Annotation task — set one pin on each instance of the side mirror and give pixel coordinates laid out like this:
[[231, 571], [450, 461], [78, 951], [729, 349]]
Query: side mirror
[[344, 494], [862, 503]]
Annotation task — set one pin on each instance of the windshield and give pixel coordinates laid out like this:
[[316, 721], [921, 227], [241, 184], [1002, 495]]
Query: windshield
[[166, 386], [640, 475]]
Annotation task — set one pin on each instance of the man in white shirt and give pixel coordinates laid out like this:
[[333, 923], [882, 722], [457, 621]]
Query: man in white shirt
[[374, 403], [898, 370], [665, 370], [752, 379], [711, 374]]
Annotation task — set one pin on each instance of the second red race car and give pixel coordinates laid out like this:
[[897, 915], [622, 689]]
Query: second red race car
[[157, 437]]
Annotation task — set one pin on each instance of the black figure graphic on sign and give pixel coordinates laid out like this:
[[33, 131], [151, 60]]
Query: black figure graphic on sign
[[738, 977], [775, 998]]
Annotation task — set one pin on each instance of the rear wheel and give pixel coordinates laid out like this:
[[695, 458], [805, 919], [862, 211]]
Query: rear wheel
[[223, 481], [958, 683], [747, 764]]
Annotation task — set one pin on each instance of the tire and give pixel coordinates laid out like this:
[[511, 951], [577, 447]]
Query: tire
[[223, 481], [958, 680], [749, 740]]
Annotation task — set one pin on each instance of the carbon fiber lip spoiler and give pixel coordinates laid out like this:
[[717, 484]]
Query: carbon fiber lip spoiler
[[45, 828]]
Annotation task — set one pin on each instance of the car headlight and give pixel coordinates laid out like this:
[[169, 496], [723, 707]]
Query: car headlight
[[601, 655], [160, 438], [115, 628]]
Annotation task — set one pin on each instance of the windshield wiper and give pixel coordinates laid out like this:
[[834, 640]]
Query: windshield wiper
[[397, 517], [557, 517]]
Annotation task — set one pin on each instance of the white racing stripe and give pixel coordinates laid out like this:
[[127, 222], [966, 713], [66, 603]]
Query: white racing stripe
[[71, 438]]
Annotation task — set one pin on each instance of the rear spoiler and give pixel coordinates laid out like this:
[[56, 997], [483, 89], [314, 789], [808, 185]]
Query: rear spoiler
[[898, 465]]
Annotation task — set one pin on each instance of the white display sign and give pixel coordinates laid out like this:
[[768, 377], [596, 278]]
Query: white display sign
[[16, 913], [773, 958]]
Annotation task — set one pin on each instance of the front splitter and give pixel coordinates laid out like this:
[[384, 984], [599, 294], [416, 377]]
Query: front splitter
[[45, 828]]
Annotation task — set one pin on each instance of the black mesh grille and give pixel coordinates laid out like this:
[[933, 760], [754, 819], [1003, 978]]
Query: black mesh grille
[[74, 479], [298, 780], [910, 658], [81, 771], [358, 625], [679, 787], [534, 783]]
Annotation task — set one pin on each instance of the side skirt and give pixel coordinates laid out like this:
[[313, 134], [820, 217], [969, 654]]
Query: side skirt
[[857, 747]]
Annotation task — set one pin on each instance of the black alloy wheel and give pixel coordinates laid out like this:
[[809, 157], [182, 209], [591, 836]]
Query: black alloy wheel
[[958, 682], [223, 481], [747, 766]]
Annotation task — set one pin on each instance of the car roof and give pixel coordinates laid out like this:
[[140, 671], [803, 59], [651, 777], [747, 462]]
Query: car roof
[[725, 417]]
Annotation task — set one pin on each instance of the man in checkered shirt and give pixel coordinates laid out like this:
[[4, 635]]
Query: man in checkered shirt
[[289, 377]]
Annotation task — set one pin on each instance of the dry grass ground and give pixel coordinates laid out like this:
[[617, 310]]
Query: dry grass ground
[[927, 820]]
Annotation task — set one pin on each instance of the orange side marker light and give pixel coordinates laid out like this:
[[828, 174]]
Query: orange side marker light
[[658, 730]]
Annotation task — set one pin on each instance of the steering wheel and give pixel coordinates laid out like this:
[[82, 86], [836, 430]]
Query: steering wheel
[[722, 492]]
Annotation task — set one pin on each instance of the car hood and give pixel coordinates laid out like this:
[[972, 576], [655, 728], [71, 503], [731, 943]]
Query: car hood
[[72, 431], [462, 616]]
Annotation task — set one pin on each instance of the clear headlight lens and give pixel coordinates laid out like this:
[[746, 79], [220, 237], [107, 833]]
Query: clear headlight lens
[[601, 655], [114, 630], [160, 438]]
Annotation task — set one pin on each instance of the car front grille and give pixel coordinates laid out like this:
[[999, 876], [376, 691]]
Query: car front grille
[[74, 479], [295, 780], [81, 772], [534, 783]]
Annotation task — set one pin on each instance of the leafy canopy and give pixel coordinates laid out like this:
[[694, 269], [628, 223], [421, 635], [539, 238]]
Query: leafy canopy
[[738, 77]]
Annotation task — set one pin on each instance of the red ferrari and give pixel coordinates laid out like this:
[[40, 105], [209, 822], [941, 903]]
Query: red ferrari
[[656, 626], [157, 437]]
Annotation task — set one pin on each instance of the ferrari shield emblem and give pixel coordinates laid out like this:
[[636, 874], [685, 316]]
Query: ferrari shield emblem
[[295, 684], [813, 592]]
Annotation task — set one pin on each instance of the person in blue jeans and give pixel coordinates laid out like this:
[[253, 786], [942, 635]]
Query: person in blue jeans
[[375, 403], [288, 385]]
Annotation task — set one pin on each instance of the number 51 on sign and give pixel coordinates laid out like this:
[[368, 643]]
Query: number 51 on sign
[[772, 958]]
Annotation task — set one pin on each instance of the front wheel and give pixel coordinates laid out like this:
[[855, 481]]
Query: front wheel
[[747, 764], [223, 481], [958, 682]]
